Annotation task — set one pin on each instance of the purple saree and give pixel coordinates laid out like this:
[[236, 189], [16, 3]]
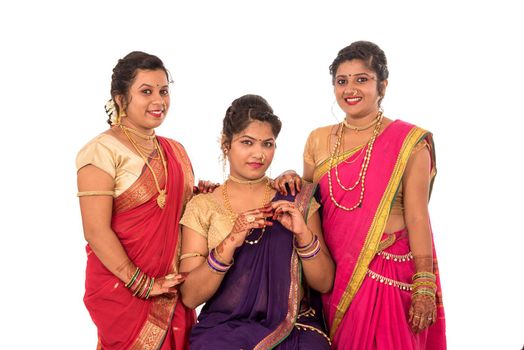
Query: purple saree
[[258, 304]]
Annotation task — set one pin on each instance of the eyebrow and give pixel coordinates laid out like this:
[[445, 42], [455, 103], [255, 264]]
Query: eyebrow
[[352, 75], [149, 85], [255, 139]]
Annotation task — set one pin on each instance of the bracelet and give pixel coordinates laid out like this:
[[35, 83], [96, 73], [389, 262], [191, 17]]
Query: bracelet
[[140, 284], [215, 264], [425, 283], [422, 291], [220, 259], [132, 280], [424, 274], [151, 283], [307, 246], [306, 255]]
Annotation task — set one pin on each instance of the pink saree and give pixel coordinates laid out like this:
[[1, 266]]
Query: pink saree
[[368, 305], [150, 236]]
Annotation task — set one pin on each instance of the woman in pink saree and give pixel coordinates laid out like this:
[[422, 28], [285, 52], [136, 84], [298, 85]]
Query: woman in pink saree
[[374, 180], [133, 187]]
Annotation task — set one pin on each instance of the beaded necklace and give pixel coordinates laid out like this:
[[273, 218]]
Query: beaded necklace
[[363, 169]]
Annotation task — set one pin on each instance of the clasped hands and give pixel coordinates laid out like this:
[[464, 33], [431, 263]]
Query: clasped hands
[[282, 211]]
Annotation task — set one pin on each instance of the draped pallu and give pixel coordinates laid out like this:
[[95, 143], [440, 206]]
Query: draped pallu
[[353, 237], [150, 236], [258, 304]]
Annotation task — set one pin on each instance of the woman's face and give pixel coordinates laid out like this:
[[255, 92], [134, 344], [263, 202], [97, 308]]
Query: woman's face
[[252, 151], [355, 88], [148, 100]]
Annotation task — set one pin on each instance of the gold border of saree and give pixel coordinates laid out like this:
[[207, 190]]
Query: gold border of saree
[[154, 330], [302, 200], [377, 226]]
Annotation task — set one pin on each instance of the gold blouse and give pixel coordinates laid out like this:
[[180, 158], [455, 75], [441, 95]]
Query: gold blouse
[[107, 153], [317, 151], [206, 216]]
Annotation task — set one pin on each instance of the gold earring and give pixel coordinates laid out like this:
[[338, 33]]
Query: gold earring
[[121, 114]]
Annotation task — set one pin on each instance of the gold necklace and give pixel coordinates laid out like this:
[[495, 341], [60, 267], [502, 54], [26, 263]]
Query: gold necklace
[[233, 215], [246, 182], [363, 170], [361, 128], [161, 199], [137, 133]]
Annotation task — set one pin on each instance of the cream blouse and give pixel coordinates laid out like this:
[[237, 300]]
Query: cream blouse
[[107, 153], [206, 216]]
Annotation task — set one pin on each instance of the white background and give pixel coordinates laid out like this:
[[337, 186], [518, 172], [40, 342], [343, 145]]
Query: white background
[[456, 68]]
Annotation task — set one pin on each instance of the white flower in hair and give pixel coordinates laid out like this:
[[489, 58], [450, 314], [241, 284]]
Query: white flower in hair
[[111, 111]]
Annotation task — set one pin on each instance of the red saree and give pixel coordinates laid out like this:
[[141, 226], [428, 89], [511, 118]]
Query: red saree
[[150, 236], [368, 305]]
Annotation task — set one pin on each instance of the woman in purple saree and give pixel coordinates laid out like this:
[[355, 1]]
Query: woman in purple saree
[[249, 253]]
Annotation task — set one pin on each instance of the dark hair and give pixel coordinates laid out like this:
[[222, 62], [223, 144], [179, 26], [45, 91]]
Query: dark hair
[[371, 55], [125, 72], [242, 112]]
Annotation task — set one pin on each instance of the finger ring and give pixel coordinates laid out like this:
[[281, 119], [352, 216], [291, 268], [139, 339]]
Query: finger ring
[[250, 218], [416, 316], [289, 181], [170, 276]]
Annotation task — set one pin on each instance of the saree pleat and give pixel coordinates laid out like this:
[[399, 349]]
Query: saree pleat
[[150, 237]]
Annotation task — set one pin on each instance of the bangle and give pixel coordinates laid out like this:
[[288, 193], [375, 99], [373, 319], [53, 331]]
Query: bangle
[[133, 278], [424, 291], [425, 284], [140, 284], [151, 283], [307, 246], [424, 274], [306, 255], [220, 259], [216, 265]]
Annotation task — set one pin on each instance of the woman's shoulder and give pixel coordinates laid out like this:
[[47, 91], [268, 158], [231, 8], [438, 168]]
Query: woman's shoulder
[[104, 139], [324, 130], [203, 200], [400, 124]]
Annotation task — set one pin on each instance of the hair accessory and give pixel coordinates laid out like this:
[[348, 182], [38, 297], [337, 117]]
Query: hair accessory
[[110, 109]]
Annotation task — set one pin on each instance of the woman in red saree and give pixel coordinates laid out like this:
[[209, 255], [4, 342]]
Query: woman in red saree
[[133, 187], [374, 179]]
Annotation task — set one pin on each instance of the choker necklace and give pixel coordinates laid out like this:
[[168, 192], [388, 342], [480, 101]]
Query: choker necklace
[[247, 182], [137, 133], [360, 128]]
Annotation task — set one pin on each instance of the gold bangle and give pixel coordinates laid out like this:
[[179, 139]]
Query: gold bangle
[[424, 274], [425, 283]]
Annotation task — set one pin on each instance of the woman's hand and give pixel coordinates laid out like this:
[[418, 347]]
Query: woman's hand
[[205, 186], [422, 313], [167, 284], [289, 177], [291, 218], [247, 221]]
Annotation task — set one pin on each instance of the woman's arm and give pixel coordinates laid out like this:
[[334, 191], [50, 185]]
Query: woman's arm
[[96, 220], [202, 282], [319, 271], [416, 184], [318, 266]]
